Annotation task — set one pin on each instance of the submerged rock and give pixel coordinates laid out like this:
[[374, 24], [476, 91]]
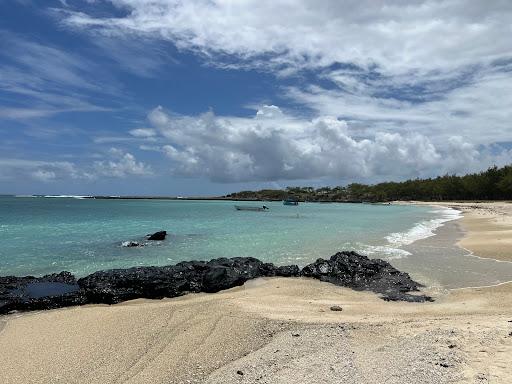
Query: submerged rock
[[113, 286], [160, 235], [130, 244]]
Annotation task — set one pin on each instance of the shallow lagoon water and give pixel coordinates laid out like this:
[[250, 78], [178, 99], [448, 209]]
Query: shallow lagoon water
[[43, 235]]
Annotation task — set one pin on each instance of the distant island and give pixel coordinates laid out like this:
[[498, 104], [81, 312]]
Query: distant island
[[490, 185], [493, 184]]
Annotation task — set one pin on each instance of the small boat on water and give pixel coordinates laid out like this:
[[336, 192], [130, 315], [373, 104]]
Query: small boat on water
[[290, 201], [250, 208]]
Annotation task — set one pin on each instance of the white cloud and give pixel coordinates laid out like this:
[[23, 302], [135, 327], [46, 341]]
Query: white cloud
[[276, 146], [477, 110], [442, 65], [138, 56], [143, 132], [42, 80], [396, 36], [119, 164], [40, 170], [43, 175], [122, 164]]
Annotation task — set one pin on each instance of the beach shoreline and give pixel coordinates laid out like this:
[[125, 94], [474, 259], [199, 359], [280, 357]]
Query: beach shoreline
[[276, 330], [487, 227]]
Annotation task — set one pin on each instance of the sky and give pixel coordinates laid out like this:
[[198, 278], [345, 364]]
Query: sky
[[207, 97]]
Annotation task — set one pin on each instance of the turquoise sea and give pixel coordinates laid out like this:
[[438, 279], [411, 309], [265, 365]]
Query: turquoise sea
[[45, 235]]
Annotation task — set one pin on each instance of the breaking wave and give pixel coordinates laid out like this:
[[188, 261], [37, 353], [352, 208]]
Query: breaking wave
[[423, 229]]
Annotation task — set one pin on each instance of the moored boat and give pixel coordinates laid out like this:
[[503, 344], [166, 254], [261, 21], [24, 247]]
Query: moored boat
[[291, 201]]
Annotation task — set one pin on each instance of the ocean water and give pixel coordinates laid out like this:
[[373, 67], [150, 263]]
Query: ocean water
[[45, 235]]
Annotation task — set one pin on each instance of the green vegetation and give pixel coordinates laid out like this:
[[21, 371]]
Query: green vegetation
[[493, 184]]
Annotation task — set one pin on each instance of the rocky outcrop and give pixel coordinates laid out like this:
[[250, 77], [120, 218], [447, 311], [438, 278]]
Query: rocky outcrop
[[35, 293], [160, 235], [349, 269], [113, 286], [118, 285]]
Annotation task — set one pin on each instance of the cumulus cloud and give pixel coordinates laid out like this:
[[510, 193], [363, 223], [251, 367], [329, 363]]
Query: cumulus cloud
[[122, 164], [273, 145], [40, 170], [118, 164]]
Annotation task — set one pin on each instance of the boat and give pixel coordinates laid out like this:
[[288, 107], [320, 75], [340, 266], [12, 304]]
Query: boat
[[290, 201], [250, 208]]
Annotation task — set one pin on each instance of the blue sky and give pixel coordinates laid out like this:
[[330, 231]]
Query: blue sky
[[168, 97]]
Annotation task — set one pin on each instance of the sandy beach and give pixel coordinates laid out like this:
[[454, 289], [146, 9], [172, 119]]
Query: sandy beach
[[488, 227], [280, 330]]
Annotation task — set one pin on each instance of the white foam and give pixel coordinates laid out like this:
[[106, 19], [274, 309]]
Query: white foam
[[419, 231], [423, 229], [391, 253], [69, 196]]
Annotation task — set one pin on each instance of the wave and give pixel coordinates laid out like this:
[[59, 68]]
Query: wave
[[423, 229], [390, 253], [420, 230], [69, 196]]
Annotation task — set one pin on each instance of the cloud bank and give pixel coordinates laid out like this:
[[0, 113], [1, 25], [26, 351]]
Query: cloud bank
[[396, 36], [117, 164], [273, 145]]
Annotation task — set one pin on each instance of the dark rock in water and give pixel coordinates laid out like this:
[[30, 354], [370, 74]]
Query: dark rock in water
[[160, 235], [113, 286], [349, 269]]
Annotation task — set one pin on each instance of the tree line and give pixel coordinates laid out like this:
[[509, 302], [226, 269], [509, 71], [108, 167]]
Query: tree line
[[492, 184]]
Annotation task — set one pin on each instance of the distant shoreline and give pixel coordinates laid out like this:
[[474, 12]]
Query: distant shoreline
[[188, 198], [446, 203]]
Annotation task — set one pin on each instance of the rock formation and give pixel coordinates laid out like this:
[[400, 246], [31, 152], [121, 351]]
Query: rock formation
[[347, 269]]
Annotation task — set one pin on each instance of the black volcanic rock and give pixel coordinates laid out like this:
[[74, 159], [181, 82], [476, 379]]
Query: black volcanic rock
[[160, 235], [349, 269], [287, 271], [31, 293], [118, 285], [113, 286]]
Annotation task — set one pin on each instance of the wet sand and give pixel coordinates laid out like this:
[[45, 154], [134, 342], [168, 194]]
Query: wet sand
[[439, 262], [271, 331], [487, 226]]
